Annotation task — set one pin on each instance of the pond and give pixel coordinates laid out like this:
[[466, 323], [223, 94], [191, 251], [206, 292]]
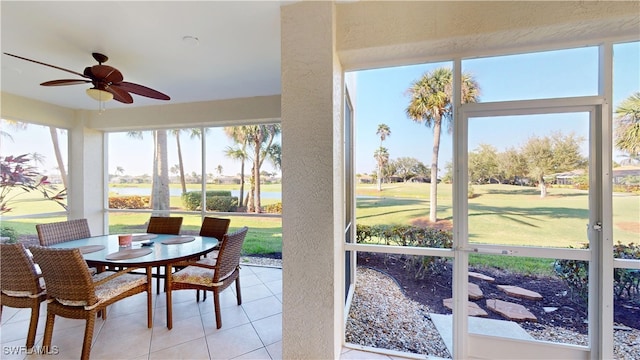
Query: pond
[[128, 191]]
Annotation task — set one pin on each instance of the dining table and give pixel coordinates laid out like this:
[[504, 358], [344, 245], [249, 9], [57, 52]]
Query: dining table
[[146, 251]]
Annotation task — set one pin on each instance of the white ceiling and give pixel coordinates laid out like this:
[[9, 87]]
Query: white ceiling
[[238, 54]]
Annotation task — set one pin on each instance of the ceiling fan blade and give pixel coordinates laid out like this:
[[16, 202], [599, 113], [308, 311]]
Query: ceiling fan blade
[[107, 73], [141, 90], [53, 66], [64, 82], [119, 94]]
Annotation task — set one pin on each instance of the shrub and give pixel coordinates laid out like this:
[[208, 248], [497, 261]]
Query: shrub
[[406, 235], [216, 200], [626, 282], [10, 233], [273, 208], [129, 202]]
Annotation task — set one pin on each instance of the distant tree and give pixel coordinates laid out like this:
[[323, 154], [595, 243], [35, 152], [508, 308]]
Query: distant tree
[[483, 164], [512, 164], [409, 167], [119, 170], [219, 170], [382, 159], [552, 154], [238, 153], [383, 131], [431, 104], [627, 135]]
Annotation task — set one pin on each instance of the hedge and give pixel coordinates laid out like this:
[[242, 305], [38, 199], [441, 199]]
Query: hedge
[[219, 200]]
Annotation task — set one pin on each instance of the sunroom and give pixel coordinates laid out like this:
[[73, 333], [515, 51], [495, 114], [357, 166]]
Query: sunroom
[[321, 46]]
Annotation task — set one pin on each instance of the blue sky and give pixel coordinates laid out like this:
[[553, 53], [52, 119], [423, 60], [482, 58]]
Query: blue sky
[[381, 98]]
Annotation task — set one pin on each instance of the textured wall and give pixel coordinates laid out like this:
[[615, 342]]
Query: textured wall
[[312, 202], [389, 32]]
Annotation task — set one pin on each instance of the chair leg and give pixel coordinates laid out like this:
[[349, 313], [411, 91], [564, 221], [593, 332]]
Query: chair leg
[[216, 307], [33, 324], [48, 330], [158, 280], [88, 335], [149, 291], [198, 295], [238, 290]]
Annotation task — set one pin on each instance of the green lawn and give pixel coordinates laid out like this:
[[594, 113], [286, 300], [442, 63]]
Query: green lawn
[[498, 214]]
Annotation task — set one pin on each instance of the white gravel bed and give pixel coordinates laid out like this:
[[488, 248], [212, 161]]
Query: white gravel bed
[[382, 316]]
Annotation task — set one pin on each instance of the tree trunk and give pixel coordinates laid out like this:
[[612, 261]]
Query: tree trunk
[[256, 179], [379, 177], [161, 198], [543, 187], [433, 197], [180, 164], [241, 197], [56, 150]]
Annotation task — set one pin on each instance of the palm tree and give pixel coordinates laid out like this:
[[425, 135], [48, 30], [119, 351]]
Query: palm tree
[[382, 157], [383, 132], [160, 196], [627, 136], [431, 103], [239, 135], [237, 153], [193, 133]]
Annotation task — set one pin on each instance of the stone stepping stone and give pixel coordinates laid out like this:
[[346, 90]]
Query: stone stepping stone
[[480, 276], [511, 311], [519, 292], [473, 308], [474, 292]]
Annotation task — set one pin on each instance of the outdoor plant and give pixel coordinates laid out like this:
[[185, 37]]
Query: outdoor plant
[[17, 176], [9, 232], [626, 282], [129, 202], [216, 200], [407, 235]]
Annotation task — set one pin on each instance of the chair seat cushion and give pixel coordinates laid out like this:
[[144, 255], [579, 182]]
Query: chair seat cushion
[[26, 293], [110, 289], [195, 275]]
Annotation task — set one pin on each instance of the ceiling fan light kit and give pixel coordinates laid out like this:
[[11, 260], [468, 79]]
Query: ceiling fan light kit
[[99, 95], [108, 82]]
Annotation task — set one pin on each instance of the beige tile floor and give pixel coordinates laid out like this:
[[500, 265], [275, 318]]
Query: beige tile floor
[[250, 331]]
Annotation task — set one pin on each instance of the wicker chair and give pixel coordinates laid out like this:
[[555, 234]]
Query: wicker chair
[[57, 232], [211, 278], [73, 293], [21, 284], [217, 228], [163, 225]]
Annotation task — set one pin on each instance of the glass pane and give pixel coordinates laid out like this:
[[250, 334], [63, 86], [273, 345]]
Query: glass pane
[[529, 298], [542, 75], [34, 162], [626, 198], [399, 304], [528, 180]]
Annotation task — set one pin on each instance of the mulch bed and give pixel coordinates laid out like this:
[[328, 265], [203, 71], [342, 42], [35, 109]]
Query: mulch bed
[[571, 313]]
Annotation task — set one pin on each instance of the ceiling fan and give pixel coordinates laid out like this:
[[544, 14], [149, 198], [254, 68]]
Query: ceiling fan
[[107, 82]]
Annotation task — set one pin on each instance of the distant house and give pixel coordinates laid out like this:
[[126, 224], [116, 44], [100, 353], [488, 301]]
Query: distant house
[[366, 179], [566, 178], [622, 174]]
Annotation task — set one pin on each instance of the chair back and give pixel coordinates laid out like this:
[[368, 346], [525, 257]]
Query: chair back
[[164, 225], [57, 232], [214, 227], [229, 255], [18, 273], [66, 275]]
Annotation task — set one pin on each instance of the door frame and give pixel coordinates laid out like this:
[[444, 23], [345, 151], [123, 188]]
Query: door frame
[[599, 254]]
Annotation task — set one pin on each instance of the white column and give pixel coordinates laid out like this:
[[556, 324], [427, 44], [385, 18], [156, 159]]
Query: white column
[[86, 197], [313, 184]]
